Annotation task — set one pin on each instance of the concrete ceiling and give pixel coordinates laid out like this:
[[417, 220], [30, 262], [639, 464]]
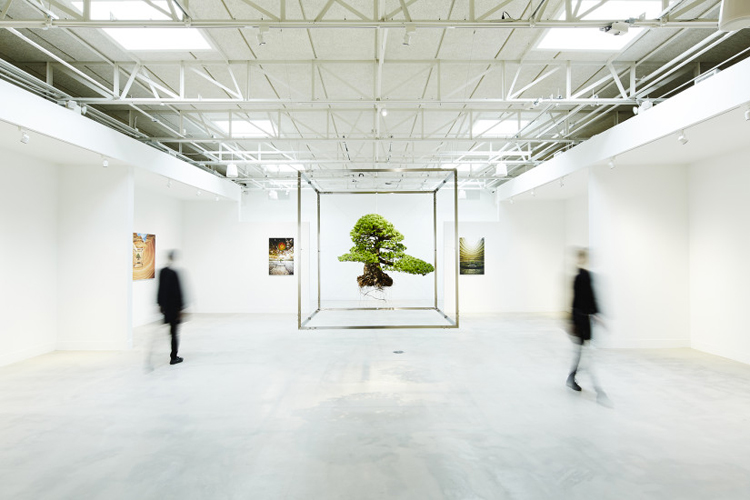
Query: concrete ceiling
[[328, 68]]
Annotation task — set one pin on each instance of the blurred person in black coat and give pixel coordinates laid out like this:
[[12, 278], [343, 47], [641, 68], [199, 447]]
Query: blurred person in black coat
[[170, 301], [584, 309]]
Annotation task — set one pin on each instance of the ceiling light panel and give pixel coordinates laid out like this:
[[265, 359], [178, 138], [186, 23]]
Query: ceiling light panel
[[142, 39], [497, 128], [591, 39], [145, 39], [248, 128], [135, 10]]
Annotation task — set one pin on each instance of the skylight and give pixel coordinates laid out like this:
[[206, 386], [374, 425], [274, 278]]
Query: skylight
[[140, 39], [128, 10], [592, 38], [158, 38], [247, 128], [497, 128]]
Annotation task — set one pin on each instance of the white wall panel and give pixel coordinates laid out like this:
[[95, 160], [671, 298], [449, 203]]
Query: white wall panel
[[225, 264], [719, 250], [639, 254], [28, 274], [524, 253], [95, 257]]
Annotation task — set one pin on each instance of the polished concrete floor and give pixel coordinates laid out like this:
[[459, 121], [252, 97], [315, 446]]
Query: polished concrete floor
[[259, 410]]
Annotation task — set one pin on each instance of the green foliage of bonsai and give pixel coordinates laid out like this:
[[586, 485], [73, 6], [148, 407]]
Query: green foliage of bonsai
[[377, 244]]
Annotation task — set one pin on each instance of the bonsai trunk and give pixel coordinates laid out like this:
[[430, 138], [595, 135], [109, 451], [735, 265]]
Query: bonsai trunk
[[374, 276]]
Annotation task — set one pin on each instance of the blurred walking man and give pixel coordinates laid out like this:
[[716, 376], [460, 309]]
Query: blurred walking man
[[171, 303], [584, 309]]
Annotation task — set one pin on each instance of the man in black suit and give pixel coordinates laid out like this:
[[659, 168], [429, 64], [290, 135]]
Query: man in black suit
[[584, 308], [170, 301]]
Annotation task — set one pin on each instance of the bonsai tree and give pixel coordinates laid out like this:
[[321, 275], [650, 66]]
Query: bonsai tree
[[377, 244]]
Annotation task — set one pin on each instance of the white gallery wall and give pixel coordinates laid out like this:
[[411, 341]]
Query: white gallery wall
[[719, 255], [28, 275], [576, 237], [162, 216], [639, 238], [524, 257], [94, 279], [226, 253], [225, 264]]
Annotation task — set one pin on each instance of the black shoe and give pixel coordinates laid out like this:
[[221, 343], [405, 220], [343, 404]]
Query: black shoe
[[178, 359], [573, 384]]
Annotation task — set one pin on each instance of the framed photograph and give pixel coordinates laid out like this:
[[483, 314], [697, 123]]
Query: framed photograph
[[471, 256], [280, 256], [144, 256]]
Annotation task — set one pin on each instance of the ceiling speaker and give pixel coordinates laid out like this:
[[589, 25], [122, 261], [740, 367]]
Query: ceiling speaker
[[734, 15]]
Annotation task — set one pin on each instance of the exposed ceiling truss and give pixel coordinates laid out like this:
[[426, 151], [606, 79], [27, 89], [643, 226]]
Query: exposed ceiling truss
[[332, 84]]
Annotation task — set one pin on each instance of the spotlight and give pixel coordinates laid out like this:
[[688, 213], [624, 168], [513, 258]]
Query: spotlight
[[511, 201], [261, 31], [616, 28], [682, 138], [747, 114], [533, 193], [383, 112], [216, 199], [644, 106], [562, 181], [232, 170], [24, 137], [273, 195], [198, 193], [407, 35], [105, 162], [611, 163], [169, 183]]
